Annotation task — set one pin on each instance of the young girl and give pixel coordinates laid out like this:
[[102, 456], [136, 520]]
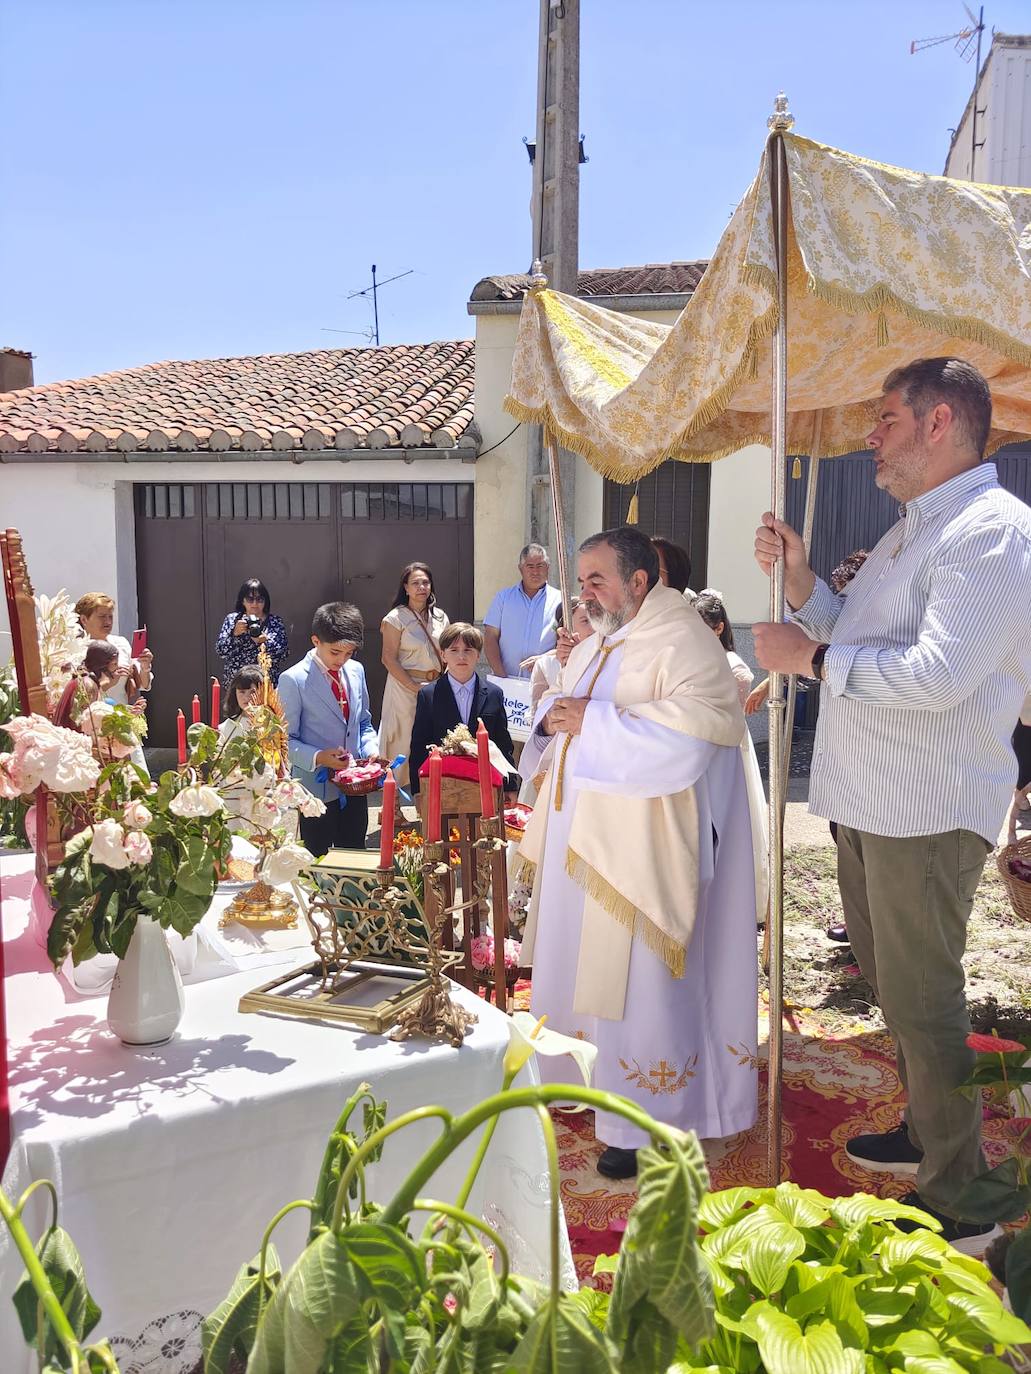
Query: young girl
[[101, 665], [244, 690], [710, 607]]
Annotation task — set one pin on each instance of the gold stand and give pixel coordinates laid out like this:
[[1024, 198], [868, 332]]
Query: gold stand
[[261, 905]]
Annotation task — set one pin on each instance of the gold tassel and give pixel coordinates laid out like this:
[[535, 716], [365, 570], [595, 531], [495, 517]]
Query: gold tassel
[[882, 331], [753, 365], [796, 469], [633, 511]]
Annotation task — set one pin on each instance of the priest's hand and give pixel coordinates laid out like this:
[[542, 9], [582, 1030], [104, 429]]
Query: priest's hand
[[566, 715], [784, 649]]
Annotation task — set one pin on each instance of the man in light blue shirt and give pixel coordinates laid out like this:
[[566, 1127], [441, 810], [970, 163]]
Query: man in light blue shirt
[[924, 667], [520, 624]]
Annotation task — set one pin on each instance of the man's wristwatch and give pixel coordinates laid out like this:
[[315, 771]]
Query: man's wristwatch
[[818, 670]]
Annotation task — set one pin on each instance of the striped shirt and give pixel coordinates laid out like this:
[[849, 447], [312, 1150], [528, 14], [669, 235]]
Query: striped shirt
[[929, 662]]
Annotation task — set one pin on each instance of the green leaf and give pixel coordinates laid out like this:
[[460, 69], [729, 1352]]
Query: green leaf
[[482, 1304], [786, 1349], [801, 1206], [717, 1209], [996, 1195], [321, 1294], [861, 1207], [63, 1268], [353, 1351], [595, 1303], [762, 1243], [659, 1258], [231, 1328], [980, 1318], [1018, 1274], [392, 1269], [561, 1340], [650, 1343], [606, 1264], [882, 1307]]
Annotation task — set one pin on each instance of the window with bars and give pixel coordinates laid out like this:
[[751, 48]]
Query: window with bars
[[268, 500], [168, 501], [405, 501]]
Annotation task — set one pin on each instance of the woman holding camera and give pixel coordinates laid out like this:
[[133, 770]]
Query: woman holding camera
[[249, 627]]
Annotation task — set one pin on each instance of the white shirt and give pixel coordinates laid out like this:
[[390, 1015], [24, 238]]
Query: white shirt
[[929, 662], [464, 693]]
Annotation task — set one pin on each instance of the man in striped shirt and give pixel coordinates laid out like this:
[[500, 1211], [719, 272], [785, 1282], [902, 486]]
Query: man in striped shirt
[[924, 666]]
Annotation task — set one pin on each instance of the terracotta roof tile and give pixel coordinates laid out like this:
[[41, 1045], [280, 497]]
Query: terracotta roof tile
[[280, 399], [658, 279]]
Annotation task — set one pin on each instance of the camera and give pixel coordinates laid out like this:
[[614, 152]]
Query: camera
[[255, 625]]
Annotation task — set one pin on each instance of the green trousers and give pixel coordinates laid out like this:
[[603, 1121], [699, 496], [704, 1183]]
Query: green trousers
[[906, 904]]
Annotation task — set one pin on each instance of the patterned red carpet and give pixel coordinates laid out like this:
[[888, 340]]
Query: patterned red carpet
[[834, 1087]]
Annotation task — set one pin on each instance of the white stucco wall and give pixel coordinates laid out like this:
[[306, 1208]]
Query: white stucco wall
[[77, 525], [739, 493]]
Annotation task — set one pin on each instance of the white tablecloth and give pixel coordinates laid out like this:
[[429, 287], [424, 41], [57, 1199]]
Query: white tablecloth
[[170, 1161]]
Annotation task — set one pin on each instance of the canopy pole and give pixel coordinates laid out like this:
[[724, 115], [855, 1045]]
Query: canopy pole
[[808, 520], [555, 478], [779, 122]]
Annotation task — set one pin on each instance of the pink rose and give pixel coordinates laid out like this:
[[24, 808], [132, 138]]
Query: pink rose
[[11, 784], [138, 847], [136, 815]]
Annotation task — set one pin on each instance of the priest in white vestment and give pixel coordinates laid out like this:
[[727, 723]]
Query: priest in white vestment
[[641, 929]]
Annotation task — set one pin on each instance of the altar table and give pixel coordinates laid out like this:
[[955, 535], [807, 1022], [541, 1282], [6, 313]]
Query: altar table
[[169, 1161]]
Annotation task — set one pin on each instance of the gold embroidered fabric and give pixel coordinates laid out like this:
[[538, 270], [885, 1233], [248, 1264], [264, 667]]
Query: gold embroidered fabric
[[884, 265]]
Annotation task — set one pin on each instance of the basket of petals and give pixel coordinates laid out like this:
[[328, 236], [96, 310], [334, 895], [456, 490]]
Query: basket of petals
[[360, 778], [1014, 864], [516, 818]]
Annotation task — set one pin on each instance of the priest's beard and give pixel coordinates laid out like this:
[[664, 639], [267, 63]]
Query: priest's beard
[[608, 622]]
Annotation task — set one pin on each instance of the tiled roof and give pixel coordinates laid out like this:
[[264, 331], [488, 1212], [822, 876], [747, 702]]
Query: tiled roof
[[404, 396], [654, 279]]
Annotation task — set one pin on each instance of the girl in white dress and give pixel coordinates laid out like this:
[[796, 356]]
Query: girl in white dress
[[411, 655], [96, 612]]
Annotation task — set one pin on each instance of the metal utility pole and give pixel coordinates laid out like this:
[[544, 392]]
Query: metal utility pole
[[555, 208]]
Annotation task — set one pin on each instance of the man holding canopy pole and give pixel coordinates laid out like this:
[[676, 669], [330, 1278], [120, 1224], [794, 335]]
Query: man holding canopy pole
[[641, 928], [924, 667]]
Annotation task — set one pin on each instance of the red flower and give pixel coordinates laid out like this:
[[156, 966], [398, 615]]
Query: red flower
[[994, 1044]]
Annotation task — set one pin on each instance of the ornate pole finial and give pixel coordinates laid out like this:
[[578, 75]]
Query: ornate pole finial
[[782, 119], [538, 280]]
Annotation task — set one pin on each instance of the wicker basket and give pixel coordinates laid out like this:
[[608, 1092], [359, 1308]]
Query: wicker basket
[[1018, 888], [362, 788]]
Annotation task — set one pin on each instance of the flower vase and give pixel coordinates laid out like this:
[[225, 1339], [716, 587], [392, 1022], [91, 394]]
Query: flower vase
[[146, 1002]]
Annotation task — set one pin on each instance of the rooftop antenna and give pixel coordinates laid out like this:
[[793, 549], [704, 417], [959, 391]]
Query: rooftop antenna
[[968, 44], [372, 290]]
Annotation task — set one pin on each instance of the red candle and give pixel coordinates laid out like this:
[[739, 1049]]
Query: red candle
[[386, 823], [180, 730], [483, 759], [433, 798], [216, 702], [196, 709]]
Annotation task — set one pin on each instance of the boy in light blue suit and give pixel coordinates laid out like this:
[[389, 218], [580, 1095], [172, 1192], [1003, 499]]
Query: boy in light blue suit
[[326, 701]]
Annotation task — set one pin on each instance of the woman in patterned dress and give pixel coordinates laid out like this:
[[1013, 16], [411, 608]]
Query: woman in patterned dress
[[411, 655], [237, 646]]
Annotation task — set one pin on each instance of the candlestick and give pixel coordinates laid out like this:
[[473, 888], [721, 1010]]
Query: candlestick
[[196, 709], [483, 760], [216, 702], [180, 732], [436, 773], [386, 823]]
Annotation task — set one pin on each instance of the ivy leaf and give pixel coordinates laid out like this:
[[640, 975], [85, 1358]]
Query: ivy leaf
[[660, 1258], [321, 1294], [561, 1340], [63, 1268], [231, 1328]]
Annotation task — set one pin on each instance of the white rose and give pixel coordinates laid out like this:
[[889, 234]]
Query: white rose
[[136, 816], [265, 812], [286, 864], [289, 793], [107, 845], [138, 848], [196, 800], [312, 806]]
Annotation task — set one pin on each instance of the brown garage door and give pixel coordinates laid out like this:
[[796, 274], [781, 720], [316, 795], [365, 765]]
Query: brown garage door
[[309, 542]]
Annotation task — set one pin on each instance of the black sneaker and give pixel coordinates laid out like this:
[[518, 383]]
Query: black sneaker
[[616, 1163], [971, 1237], [891, 1152]]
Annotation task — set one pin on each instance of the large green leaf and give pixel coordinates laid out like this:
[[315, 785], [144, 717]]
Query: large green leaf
[[660, 1258], [719, 1208], [231, 1328], [393, 1271], [834, 1295], [650, 1342], [63, 1268], [786, 1349], [352, 1351], [996, 1195], [801, 1206], [1018, 1274], [321, 1294], [861, 1207], [482, 1304], [763, 1243], [982, 1318], [563, 1341]]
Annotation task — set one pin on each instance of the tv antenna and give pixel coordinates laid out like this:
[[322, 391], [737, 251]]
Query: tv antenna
[[373, 291], [967, 43]]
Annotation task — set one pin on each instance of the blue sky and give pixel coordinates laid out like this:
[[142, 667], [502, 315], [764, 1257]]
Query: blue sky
[[210, 178]]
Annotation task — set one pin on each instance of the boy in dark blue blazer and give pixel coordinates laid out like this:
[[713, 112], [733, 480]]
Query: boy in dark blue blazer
[[458, 697], [326, 701]]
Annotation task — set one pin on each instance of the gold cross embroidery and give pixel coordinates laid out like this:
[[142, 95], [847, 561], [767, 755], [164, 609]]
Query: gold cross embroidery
[[663, 1073]]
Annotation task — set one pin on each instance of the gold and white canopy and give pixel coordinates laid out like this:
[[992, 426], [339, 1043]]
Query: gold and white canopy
[[884, 266]]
